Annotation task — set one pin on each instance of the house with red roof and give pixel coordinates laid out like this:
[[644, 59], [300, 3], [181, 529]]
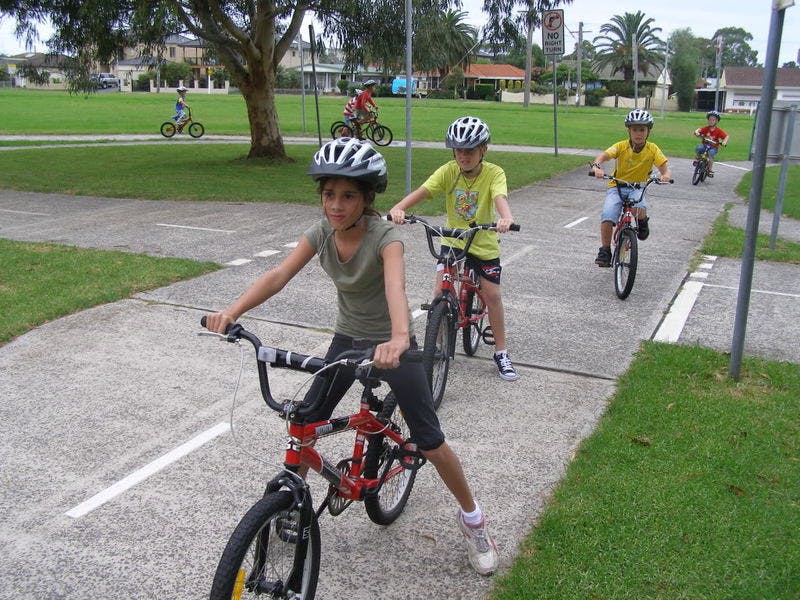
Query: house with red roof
[[742, 86]]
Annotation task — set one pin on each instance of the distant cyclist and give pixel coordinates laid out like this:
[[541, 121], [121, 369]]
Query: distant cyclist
[[713, 137], [635, 158], [180, 106], [349, 111], [364, 104]]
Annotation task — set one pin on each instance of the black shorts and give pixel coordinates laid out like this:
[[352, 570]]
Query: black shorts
[[410, 387], [488, 269]]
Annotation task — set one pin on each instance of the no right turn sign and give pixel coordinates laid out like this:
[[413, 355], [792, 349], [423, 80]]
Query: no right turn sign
[[553, 32]]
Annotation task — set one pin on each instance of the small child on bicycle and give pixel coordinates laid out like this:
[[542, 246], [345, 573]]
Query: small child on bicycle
[[349, 111], [635, 158], [713, 137], [473, 191], [364, 103], [363, 255], [180, 106]]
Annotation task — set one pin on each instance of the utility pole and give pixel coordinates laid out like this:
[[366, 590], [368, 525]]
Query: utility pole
[[718, 66], [578, 69], [664, 89], [635, 63], [526, 96]]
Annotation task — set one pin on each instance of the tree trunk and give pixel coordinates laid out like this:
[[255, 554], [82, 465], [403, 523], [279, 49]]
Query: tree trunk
[[265, 135]]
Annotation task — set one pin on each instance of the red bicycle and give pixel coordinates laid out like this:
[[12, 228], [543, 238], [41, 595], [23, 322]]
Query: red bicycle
[[459, 305], [625, 256], [275, 548]]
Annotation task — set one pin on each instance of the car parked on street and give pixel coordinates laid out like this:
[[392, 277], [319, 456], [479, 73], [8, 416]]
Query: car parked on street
[[105, 80]]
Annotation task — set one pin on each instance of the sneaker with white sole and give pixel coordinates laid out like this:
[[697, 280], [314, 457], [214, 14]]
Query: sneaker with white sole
[[481, 549], [504, 367]]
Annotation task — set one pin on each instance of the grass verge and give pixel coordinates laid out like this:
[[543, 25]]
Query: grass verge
[[41, 282], [686, 490]]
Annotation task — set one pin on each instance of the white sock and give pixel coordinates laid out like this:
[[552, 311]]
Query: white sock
[[474, 517]]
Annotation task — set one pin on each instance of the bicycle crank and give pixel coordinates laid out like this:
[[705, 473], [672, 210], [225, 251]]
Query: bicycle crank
[[336, 503]]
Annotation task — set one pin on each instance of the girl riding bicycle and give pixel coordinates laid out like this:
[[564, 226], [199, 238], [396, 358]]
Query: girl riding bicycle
[[363, 255], [713, 137], [473, 190], [635, 158]]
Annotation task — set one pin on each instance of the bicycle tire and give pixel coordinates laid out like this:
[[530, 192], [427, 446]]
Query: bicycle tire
[[384, 507], [625, 260], [272, 558], [168, 129], [436, 353], [340, 129], [382, 135], [471, 334], [196, 129]]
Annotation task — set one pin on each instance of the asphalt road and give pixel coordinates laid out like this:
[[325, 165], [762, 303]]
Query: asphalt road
[[97, 404]]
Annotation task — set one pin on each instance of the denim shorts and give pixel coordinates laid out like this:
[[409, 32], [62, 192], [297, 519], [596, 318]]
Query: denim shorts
[[410, 387], [712, 152], [613, 204]]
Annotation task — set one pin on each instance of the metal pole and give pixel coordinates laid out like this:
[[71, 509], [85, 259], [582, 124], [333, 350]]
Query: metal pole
[[409, 86], [555, 109], [665, 87], [526, 98], [787, 149], [635, 63], [302, 81], [314, 82], [718, 66], [578, 68], [757, 183]]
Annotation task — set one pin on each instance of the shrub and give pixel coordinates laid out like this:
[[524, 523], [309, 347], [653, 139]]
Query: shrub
[[343, 86], [481, 91], [595, 97]]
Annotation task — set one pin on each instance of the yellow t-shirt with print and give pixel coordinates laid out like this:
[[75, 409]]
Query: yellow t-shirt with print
[[470, 201], [634, 166]]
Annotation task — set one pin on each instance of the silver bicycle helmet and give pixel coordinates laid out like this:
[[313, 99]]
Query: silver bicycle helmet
[[349, 157], [370, 82], [714, 113], [182, 89], [467, 132], [639, 116]]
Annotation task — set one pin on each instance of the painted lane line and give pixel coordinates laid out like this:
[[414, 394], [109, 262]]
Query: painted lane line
[[418, 313], [710, 257], [705, 266], [699, 274], [196, 228], [524, 251], [672, 325], [238, 262], [266, 253], [734, 288], [290, 245], [140, 475], [575, 222], [716, 162], [25, 212]]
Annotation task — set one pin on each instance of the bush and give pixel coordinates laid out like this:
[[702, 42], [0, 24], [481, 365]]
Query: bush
[[595, 97], [142, 82], [481, 91], [343, 86]]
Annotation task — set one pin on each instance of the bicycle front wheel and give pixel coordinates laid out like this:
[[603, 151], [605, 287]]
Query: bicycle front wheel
[[168, 129], [626, 255], [196, 129], [381, 135], [436, 353], [340, 129], [267, 555], [476, 313], [699, 169], [385, 506]]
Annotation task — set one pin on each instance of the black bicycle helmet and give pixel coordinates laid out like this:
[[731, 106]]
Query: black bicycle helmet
[[714, 113], [349, 157], [467, 132], [639, 116]]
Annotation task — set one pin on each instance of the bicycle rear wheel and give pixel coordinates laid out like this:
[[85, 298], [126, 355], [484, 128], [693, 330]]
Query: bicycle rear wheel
[[436, 353], [384, 507], [168, 129], [381, 135], [265, 551], [196, 129], [476, 313], [626, 255]]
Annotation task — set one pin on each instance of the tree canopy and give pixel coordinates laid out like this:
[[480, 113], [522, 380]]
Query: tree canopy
[[615, 45]]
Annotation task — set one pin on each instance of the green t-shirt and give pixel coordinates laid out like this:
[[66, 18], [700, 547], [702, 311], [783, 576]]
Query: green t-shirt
[[361, 294], [635, 166], [470, 201]]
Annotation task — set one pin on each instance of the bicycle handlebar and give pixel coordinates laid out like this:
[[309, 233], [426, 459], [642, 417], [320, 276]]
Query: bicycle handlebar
[[358, 359], [637, 185], [467, 235]]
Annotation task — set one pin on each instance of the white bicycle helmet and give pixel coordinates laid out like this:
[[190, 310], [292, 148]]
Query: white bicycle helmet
[[714, 113], [349, 157], [182, 89], [369, 82], [467, 132], [639, 116]]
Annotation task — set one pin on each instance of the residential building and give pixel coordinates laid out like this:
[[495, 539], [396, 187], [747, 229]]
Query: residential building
[[743, 85]]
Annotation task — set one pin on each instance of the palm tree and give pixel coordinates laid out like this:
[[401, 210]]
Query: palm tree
[[615, 46], [444, 42]]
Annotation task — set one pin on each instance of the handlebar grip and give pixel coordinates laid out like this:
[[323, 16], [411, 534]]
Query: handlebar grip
[[203, 321], [514, 227], [228, 330]]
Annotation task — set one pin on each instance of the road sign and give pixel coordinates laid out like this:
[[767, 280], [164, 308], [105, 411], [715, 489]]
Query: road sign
[[553, 32]]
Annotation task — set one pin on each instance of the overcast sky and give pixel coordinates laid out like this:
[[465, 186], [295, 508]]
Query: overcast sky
[[751, 15]]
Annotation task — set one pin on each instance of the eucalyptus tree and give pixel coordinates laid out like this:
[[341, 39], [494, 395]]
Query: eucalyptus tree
[[508, 19], [615, 45], [684, 66], [736, 51]]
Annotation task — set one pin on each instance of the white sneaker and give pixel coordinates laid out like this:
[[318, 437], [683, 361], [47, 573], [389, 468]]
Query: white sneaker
[[481, 549], [504, 367]]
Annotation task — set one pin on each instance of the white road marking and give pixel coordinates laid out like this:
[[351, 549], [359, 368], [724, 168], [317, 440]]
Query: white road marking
[[716, 162], [672, 325], [525, 250], [575, 222], [140, 475], [25, 212], [699, 274], [266, 253], [734, 288], [290, 245], [196, 228], [238, 262]]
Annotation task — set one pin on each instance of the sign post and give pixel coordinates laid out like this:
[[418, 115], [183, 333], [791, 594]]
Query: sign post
[[553, 46]]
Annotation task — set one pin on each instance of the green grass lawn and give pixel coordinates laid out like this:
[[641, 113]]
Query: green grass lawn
[[31, 112]]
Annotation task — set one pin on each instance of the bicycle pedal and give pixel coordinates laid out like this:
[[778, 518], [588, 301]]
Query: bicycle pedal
[[425, 306], [488, 335], [410, 458]]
